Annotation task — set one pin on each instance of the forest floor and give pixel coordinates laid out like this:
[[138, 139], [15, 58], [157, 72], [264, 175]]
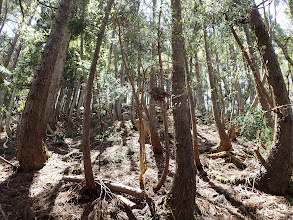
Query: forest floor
[[226, 192]]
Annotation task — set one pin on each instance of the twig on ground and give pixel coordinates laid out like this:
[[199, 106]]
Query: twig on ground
[[6, 161]]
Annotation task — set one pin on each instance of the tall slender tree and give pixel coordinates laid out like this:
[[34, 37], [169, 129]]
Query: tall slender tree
[[225, 143], [182, 194], [90, 183]]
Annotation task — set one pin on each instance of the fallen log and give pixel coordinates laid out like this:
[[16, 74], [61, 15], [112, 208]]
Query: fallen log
[[117, 187], [129, 204]]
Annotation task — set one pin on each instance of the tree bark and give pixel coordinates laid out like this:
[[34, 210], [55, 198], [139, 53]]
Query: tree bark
[[73, 103], [191, 104], [156, 144], [165, 116], [90, 183], [262, 99], [182, 194], [4, 18], [199, 92], [8, 115], [277, 176], [225, 143], [31, 152], [239, 96]]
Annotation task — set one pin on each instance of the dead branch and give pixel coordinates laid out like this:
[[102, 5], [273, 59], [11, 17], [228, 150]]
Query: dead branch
[[6, 161], [117, 187], [278, 107], [217, 155], [48, 6]]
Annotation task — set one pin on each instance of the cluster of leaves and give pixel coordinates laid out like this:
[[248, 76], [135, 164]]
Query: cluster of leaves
[[252, 123]]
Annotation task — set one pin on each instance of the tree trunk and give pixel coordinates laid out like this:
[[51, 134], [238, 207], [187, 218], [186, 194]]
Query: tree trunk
[[164, 111], [219, 83], [156, 144], [182, 194], [8, 115], [4, 17], [73, 103], [262, 99], [199, 92], [90, 183], [0, 6], [68, 100], [278, 173], [239, 96], [192, 114], [225, 143], [56, 78], [32, 153]]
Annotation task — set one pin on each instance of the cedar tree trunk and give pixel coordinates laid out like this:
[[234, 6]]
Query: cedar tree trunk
[[278, 173], [182, 194], [31, 152], [90, 183], [225, 143]]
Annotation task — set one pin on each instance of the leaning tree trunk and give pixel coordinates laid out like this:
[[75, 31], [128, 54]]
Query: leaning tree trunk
[[279, 167], [90, 183], [263, 102], [225, 143], [32, 153], [182, 194]]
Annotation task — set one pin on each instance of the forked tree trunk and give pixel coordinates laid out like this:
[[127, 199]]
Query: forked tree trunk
[[182, 194], [225, 143], [31, 152], [278, 173], [90, 183]]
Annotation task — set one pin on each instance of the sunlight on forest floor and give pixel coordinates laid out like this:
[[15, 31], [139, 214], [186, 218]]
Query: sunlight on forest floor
[[222, 195]]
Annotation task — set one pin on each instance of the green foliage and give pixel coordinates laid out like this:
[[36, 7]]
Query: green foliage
[[252, 122]]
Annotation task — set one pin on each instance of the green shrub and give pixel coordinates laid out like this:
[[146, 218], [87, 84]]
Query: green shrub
[[251, 123]]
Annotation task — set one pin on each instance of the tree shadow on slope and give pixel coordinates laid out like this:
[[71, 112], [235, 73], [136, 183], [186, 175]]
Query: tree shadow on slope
[[15, 199], [204, 145], [45, 201], [244, 210]]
